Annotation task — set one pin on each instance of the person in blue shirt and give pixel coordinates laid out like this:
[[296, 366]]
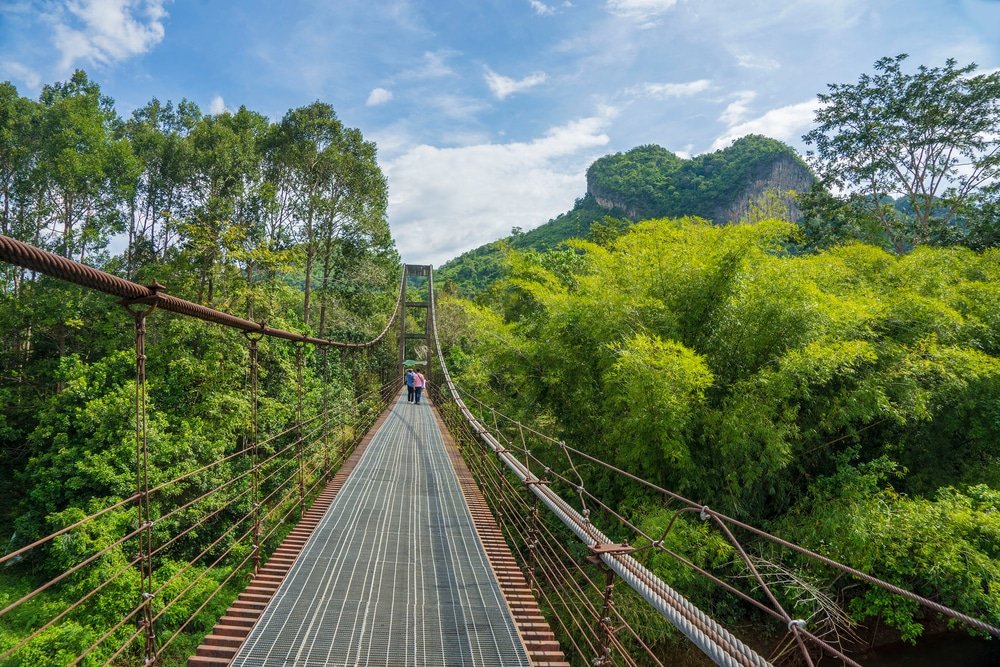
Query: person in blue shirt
[[408, 377]]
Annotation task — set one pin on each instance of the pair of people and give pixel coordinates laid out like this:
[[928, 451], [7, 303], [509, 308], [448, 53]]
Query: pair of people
[[415, 383]]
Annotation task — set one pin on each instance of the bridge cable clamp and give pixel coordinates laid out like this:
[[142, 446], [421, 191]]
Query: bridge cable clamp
[[704, 512], [797, 623]]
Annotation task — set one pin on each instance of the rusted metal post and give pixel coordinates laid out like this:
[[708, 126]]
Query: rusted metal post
[[326, 412], [532, 544], [143, 509], [253, 340], [299, 432], [604, 625]]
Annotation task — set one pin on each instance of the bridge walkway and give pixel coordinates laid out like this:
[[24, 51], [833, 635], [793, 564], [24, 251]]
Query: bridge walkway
[[394, 573]]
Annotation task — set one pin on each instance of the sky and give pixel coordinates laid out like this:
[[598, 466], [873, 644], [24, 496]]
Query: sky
[[487, 113]]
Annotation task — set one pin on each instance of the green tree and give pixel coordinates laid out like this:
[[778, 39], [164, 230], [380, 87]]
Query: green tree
[[931, 136]]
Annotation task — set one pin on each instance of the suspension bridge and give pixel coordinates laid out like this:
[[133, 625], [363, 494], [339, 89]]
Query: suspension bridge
[[381, 532]]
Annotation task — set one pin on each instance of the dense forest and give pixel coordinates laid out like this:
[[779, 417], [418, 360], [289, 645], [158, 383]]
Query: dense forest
[[829, 370], [281, 222], [833, 378]]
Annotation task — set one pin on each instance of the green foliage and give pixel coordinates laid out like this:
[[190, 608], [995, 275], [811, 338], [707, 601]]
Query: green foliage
[[930, 136], [711, 361], [647, 182], [279, 222], [659, 386], [944, 547]]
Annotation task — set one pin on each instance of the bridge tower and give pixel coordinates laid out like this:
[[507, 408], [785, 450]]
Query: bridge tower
[[422, 302]]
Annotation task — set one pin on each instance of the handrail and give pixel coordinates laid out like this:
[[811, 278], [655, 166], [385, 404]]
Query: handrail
[[716, 642], [35, 259]]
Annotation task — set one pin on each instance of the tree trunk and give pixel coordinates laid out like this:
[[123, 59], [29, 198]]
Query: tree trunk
[[310, 251], [325, 285]]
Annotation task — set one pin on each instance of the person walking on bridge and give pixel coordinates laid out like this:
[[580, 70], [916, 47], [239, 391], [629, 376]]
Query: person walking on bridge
[[408, 378], [418, 385]]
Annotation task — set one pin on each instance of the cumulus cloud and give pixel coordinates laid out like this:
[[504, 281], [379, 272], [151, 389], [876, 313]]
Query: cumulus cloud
[[643, 12], [662, 91], [444, 201], [378, 96], [217, 105], [103, 32], [541, 8], [15, 71], [737, 109], [785, 123], [502, 86]]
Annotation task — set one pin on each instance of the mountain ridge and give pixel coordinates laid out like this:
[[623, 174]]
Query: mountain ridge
[[649, 181]]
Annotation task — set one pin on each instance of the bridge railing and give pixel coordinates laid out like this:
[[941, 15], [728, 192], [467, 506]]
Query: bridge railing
[[573, 563], [163, 561]]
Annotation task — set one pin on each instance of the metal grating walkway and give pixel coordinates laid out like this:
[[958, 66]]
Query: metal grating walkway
[[394, 574]]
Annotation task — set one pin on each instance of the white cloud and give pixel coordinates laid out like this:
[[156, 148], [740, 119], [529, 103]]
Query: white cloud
[[737, 109], [662, 91], [458, 107], [644, 12], [684, 153], [541, 8], [103, 32], [217, 105], [444, 201], [378, 96], [16, 71], [502, 86], [433, 66], [785, 123], [756, 61]]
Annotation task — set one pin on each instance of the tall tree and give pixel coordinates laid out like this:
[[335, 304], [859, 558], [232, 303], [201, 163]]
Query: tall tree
[[932, 136], [157, 133], [306, 145], [18, 147], [83, 170], [228, 179]]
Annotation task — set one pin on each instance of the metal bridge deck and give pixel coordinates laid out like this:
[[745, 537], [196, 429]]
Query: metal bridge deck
[[394, 574]]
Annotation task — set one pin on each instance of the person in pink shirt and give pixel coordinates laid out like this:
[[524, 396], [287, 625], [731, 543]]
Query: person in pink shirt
[[418, 385]]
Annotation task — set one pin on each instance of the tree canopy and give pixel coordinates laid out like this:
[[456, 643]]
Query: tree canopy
[[931, 136], [848, 398]]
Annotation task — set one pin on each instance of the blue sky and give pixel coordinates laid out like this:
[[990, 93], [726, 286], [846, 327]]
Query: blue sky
[[488, 112]]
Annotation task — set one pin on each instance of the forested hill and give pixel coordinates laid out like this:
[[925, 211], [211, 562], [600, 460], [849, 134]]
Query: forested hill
[[651, 182]]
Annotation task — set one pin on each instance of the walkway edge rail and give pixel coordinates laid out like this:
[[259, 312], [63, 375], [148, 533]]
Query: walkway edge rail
[[716, 642], [35, 259]]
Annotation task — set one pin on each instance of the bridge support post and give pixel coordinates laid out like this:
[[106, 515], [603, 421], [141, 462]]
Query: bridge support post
[[604, 624], [326, 413], [143, 510], [299, 353], [532, 543], [253, 340]]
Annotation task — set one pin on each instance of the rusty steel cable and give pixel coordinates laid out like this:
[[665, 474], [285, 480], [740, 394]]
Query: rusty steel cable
[[140, 301], [72, 607], [776, 611], [720, 645], [237, 569], [708, 512], [560, 554], [72, 570], [76, 524], [35, 259], [489, 481]]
